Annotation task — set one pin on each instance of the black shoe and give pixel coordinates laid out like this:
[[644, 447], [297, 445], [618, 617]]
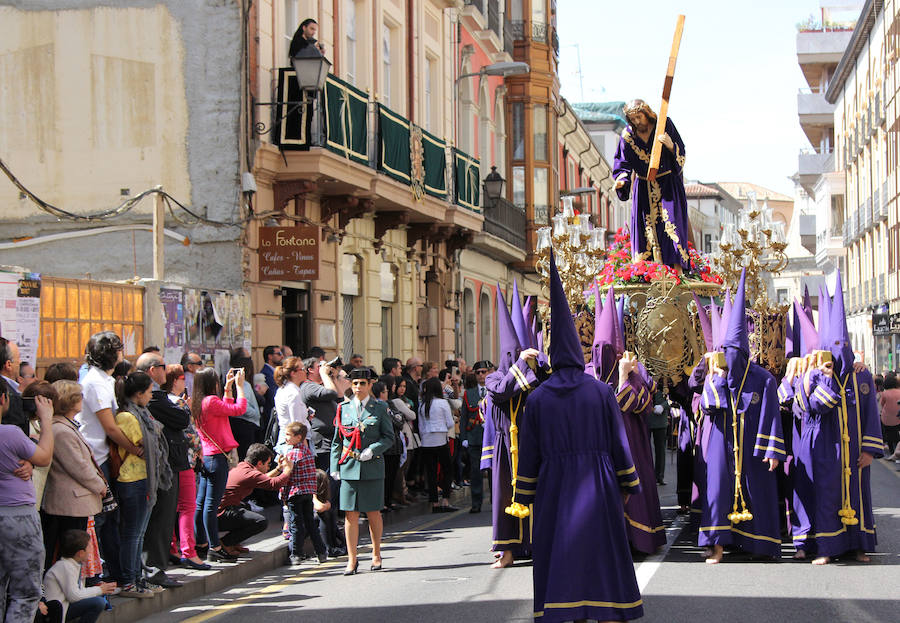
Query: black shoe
[[376, 567], [187, 562], [201, 550], [475, 509], [174, 560], [220, 555], [161, 579], [353, 570], [337, 553], [323, 557]]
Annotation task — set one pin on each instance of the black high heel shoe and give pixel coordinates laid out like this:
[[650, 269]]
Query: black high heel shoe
[[353, 570], [375, 567]]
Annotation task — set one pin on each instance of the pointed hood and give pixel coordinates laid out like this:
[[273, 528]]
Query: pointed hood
[[736, 341], [808, 340], [824, 309], [620, 325], [838, 335], [792, 333], [531, 321], [705, 325], [518, 317], [726, 317], [509, 342], [603, 351], [807, 301], [715, 320], [565, 346]]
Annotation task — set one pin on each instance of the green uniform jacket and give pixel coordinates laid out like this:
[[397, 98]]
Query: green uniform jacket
[[376, 432]]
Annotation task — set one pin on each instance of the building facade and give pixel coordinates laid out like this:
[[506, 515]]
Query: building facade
[[864, 91]]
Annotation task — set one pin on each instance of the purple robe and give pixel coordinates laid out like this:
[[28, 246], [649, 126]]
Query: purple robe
[[662, 202], [757, 406], [818, 484], [574, 464], [642, 512], [506, 394], [701, 439]]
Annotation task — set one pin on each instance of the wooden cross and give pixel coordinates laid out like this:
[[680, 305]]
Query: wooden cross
[[664, 106]]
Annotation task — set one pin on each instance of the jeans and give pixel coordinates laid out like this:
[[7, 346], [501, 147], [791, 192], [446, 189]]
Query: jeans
[[187, 504], [331, 533], [21, 563], [134, 507], [87, 610], [240, 524], [209, 493], [303, 525], [107, 527], [432, 457]]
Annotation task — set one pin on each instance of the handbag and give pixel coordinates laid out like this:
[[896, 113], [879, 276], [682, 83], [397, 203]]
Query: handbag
[[231, 456]]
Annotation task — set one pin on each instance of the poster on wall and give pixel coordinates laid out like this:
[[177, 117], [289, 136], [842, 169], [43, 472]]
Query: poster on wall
[[20, 312], [173, 320], [211, 323]]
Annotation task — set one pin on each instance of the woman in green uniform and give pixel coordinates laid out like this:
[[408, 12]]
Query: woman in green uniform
[[363, 431]]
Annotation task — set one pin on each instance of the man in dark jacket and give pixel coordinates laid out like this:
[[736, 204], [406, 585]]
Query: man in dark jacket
[[162, 519], [9, 370]]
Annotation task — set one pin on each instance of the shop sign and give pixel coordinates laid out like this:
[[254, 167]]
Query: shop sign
[[881, 324], [895, 324], [288, 253]]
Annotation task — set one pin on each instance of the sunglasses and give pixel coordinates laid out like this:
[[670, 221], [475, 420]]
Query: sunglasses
[[480, 371], [359, 382]]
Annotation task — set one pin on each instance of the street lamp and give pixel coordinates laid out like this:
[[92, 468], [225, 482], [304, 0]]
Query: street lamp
[[310, 68], [513, 68], [493, 187]]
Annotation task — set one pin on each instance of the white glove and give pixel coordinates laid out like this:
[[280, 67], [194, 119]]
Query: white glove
[[335, 475], [657, 409], [366, 455], [465, 443]]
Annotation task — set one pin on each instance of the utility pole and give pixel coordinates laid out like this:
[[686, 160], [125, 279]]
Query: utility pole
[[159, 223]]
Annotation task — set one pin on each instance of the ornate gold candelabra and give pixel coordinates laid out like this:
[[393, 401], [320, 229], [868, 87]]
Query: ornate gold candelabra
[[757, 243], [579, 249]]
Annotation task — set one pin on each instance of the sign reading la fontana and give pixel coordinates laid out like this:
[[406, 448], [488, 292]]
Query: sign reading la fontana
[[288, 253]]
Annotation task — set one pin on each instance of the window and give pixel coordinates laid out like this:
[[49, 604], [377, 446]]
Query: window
[[386, 63], [516, 13], [291, 23], [707, 243], [541, 196], [485, 326], [518, 186], [484, 125], [350, 42], [500, 136], [540, 132], [387, 340], [469, 325], [431, 106], [518, 122]]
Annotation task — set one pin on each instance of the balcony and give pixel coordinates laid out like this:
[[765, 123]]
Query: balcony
[[361, 156], [813, 108], [504, 232], [817, 47], [865, 214], [539, 32], [811, 165]]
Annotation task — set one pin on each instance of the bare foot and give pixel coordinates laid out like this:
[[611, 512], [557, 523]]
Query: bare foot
[[862, 557], [821, 560], [505, 560], [800, 555], [716, 556]]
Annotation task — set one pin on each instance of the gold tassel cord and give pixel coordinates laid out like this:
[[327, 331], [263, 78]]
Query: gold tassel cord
[[738, 435], [847, 514], [515, 509]]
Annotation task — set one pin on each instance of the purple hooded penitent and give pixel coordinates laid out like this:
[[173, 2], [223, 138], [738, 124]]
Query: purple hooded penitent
[[620, 333], [530, 321], [715, 320], [807, 302], [574, 464], [705, 325], [517, 313], [743, 406], [824, 309], [603, 351]]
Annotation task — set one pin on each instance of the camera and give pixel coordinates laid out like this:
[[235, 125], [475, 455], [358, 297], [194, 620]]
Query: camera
[[29, 407], [335, 363]]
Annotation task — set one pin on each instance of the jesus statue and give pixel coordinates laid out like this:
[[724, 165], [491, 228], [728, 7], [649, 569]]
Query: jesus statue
[[659, 217]]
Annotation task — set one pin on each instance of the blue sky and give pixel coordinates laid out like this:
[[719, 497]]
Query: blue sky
[[734, 98]]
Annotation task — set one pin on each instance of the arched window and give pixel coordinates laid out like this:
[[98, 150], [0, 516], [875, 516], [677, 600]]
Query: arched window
[[470, 326], [466, 110], [500, 135], [486, 315]]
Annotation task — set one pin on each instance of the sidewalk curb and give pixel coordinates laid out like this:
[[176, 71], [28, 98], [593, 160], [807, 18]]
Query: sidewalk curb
[[267, 553]]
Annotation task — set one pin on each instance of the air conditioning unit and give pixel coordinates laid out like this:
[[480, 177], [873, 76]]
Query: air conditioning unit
[[428, 321]]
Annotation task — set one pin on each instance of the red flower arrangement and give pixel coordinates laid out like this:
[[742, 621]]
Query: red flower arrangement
[[619, 268]]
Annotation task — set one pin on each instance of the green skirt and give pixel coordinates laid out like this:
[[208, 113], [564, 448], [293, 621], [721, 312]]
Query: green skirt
[[363, 496]]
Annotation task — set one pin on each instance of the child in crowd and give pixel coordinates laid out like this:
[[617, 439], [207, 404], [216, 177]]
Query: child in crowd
[[298, 494], [63, 583]]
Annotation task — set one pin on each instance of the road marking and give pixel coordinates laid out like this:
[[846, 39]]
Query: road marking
[[651, 565], [221, 609]]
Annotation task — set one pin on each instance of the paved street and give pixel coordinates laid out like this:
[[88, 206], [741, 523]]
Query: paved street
[[436, 569]]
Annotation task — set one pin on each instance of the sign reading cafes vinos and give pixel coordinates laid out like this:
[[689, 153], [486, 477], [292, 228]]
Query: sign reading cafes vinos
[[288, 253]]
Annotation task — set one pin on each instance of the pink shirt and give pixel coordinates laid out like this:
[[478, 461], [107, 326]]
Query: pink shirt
[[889, 406], [215, 425]]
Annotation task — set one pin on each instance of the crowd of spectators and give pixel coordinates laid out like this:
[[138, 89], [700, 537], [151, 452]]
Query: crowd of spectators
[[114, 472]]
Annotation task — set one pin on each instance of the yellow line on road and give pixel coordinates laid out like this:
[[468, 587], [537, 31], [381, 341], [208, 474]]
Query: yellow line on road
[[274, 588]]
